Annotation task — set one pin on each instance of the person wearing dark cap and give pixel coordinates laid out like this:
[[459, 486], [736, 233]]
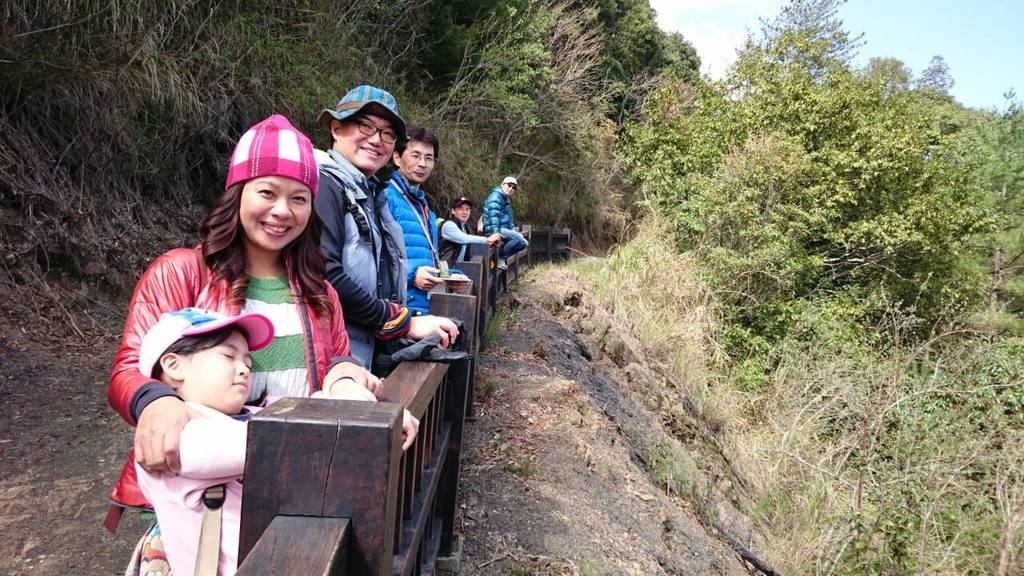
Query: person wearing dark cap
[[455, 234], [361, 241]]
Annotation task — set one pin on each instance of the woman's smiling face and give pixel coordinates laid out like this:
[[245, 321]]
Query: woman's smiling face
[[273, 211]]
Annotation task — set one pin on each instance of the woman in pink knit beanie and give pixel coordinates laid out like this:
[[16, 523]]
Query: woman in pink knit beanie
[[258, 252]]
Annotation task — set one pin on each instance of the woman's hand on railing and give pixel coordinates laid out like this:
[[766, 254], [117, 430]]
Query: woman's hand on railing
[[410, 426], [361, 375], [346, 388]]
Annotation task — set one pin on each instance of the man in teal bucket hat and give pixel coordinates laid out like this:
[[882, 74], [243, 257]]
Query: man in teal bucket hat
[[377, 101], [361, 241]]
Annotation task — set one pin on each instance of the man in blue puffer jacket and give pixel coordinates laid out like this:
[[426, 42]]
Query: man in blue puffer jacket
[[498, 219], [414, 160]]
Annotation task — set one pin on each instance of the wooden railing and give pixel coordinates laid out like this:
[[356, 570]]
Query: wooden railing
[[322, 461], [550, 245], [327, 488]]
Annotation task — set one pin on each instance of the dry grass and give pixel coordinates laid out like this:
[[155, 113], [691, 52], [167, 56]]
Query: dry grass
[[859, 458], [666, 302]]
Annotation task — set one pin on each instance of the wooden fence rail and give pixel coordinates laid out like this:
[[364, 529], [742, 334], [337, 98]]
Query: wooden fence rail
[[550, 245], [328, 489]]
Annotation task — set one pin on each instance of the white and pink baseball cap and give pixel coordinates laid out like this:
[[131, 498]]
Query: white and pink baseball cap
[[174, 326]]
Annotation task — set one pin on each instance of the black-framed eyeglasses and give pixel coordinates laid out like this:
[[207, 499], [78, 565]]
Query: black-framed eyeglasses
[[368, 129]]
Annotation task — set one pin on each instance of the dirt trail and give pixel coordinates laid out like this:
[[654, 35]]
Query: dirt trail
[[557, 471], [61, 448]]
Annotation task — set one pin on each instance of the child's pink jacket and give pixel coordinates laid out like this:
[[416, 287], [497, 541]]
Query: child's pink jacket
[[212, 452]]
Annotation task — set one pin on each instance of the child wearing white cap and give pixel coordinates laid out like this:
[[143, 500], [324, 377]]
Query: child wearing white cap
[[205, 357]]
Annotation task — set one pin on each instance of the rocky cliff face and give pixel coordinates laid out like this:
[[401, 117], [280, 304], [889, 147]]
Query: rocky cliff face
[[584, 459]]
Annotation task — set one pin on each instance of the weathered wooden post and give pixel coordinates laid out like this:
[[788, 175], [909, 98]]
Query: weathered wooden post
[[327, 459], [465, 308], [527, 232], [563, 242], [489, 288]]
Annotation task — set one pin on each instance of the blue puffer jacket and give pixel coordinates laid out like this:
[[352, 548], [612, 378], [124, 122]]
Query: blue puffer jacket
[[409, 207], [497, 212]]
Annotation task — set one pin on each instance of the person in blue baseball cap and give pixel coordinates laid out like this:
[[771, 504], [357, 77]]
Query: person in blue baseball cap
[[361, 241]]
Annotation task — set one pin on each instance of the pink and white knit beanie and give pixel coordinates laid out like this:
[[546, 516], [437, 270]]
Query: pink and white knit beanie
[[273, 148]]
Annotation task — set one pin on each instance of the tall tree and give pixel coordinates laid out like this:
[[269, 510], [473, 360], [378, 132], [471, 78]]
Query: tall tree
[[873, 197], [891, 74], [936, 77], [1002, 143]]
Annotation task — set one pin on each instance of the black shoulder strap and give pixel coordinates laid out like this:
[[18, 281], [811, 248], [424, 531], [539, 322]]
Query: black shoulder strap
[[350, 206]]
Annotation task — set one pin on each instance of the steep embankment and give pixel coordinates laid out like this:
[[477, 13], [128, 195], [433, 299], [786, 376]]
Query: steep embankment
[[583, 460], [574, 465]]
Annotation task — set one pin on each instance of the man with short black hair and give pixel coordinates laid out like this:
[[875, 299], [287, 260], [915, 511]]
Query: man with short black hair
[[414, 161]]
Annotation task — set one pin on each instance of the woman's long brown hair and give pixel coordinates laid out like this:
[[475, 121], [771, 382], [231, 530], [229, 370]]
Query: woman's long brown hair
[[222, 237]]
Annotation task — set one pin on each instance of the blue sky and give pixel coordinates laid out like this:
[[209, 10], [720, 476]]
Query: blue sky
[[982, 41]]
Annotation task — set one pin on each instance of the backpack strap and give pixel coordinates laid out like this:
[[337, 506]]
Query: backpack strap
[[208, 552], [349, 205]]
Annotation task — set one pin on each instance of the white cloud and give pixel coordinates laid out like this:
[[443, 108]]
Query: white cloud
[[716, 28], [715, 46]]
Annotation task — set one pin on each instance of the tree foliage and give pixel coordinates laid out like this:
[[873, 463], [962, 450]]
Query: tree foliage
[[1000, 142], [112, 111], [801, 177], [854, 221], [936, 77]]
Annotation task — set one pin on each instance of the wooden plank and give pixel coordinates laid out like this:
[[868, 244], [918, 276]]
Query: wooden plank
[[475, 271], [492, 281], [528, 234], [448, 489], [300, 546], [432, 549], [562, 240], [413, 385], [539, 244], [329, 458], [482, 293]]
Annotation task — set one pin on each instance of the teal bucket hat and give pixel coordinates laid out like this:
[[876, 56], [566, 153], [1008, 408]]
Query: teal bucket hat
[[380, 101]]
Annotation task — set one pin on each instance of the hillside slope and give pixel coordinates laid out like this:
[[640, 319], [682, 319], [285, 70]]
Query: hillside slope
[[572, 467], [569, 468]]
